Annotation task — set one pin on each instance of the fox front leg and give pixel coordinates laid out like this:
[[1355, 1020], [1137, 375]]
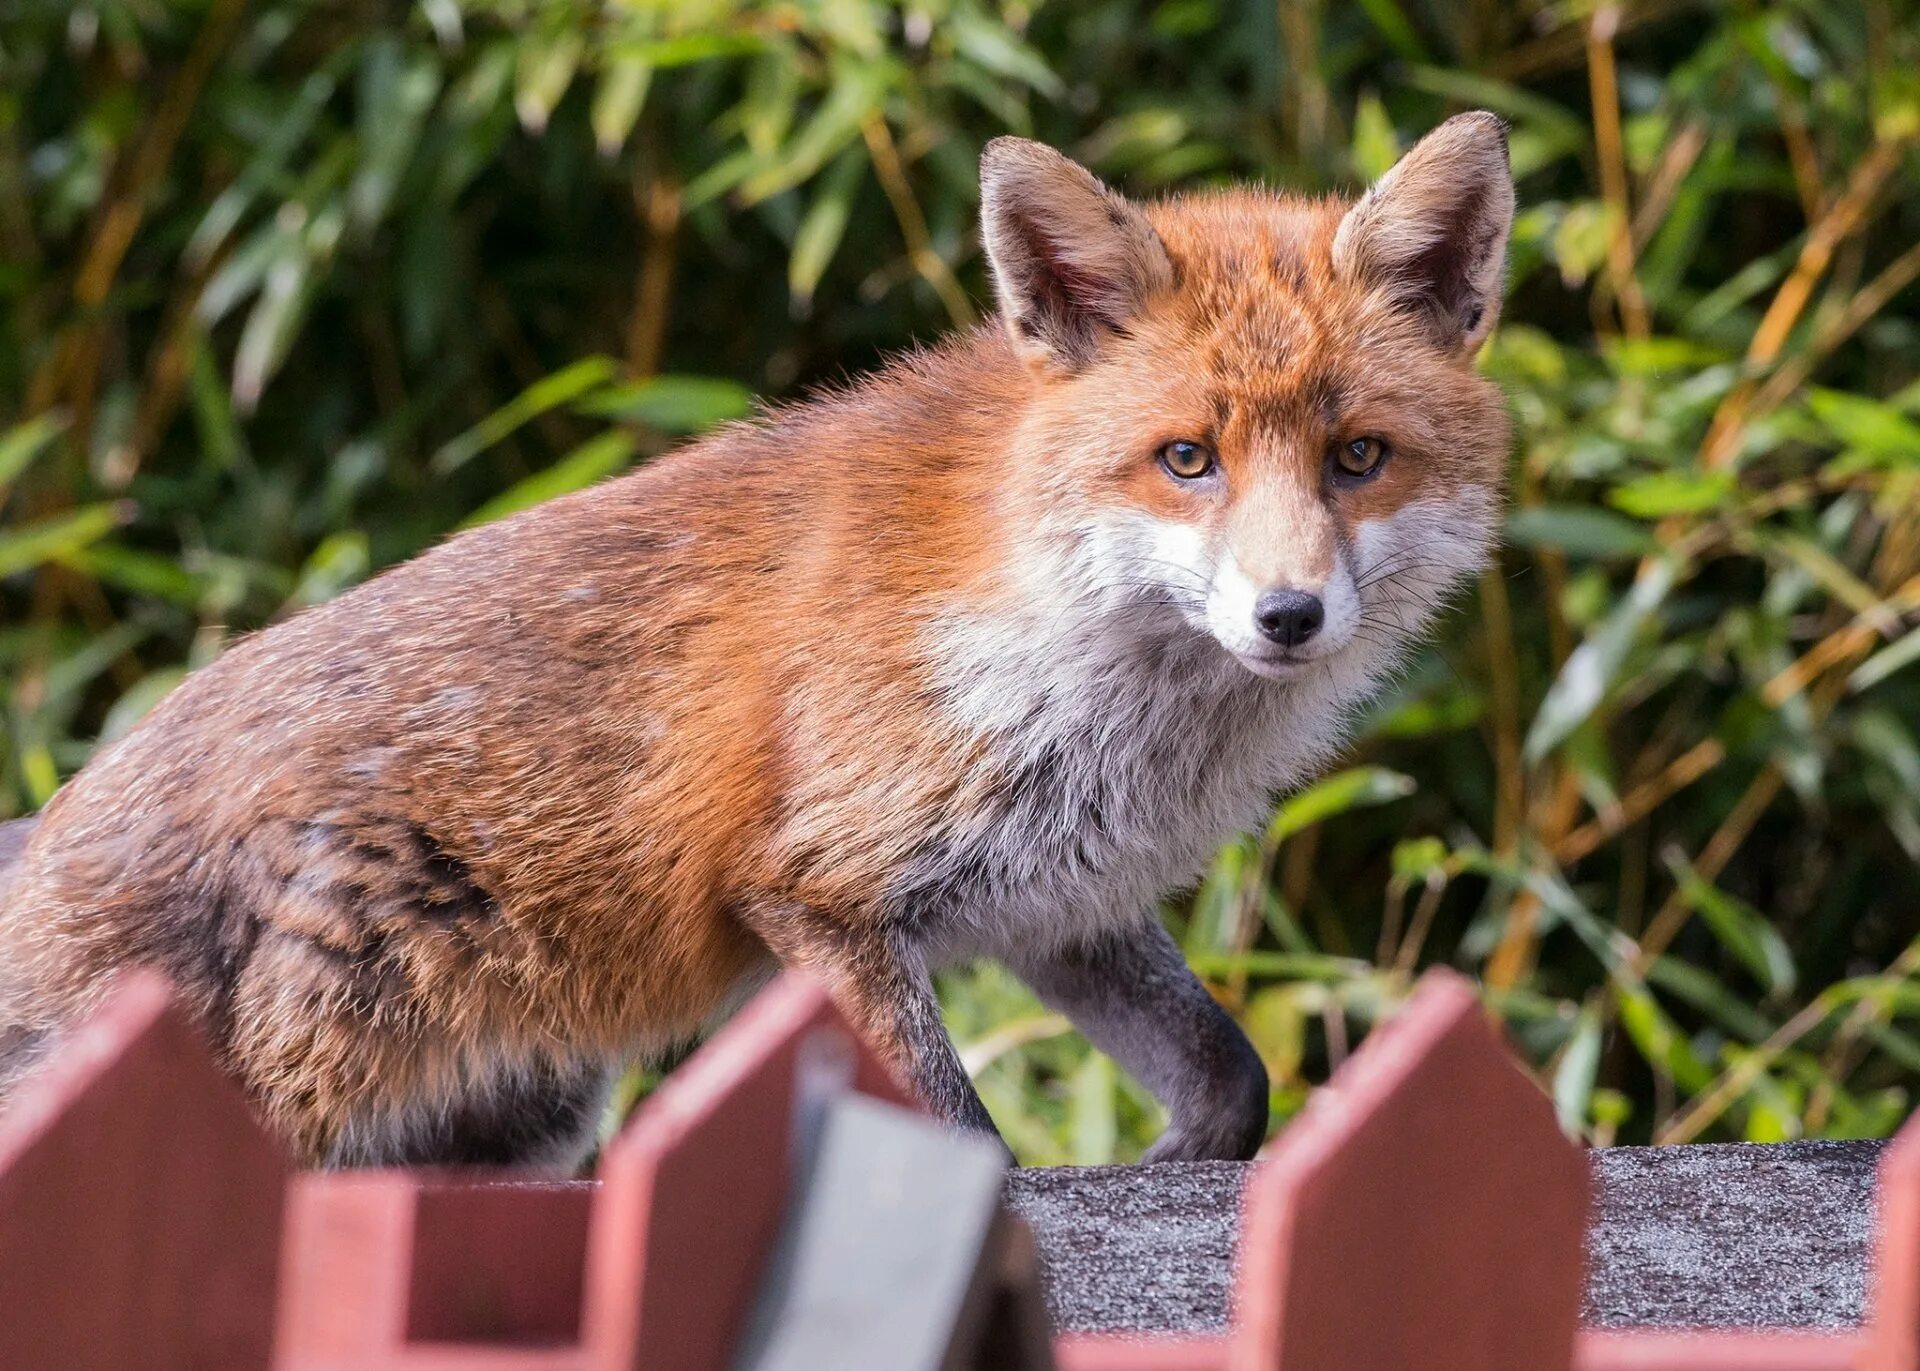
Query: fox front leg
[[1131, 993], [879, 979]]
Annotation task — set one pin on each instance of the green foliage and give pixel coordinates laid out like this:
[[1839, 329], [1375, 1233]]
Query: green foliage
[[288, 291]]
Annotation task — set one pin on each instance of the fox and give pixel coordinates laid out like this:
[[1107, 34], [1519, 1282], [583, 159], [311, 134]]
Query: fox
[[981, 656]]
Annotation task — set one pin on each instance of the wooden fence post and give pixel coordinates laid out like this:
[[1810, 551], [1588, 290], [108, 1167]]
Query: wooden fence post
[[1423, 1211], [694, 1190], [654, 1266], [1893, 1320], [140, 1203], [385, 1270]]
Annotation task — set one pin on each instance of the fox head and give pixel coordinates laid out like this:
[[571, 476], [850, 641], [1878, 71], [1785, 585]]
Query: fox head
[[1259, 411]]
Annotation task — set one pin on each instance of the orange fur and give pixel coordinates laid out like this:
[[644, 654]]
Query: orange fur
[[565, 785]]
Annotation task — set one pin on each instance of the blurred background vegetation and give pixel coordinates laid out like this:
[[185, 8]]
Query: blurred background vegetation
[[290, 289]]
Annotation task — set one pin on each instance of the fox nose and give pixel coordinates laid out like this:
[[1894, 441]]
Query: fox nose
[[1289, 617]]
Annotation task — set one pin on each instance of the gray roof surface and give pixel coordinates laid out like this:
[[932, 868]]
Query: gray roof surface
[[1729, 1236]]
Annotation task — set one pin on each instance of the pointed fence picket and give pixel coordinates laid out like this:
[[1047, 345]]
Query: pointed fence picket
[[140, 1204], [1423, 1212]]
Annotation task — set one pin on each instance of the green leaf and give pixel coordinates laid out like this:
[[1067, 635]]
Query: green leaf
[[1356, 788], [1093, 1111], [1398, 30], [686, 49], [1579, 531], [1281, 966], [285, 292], [1865, 423], [1673, 492], [288, 130], [858, 92], [1578, 1072], [143, 573], [818, 237], [137, 700], [550, 392], [1591, 668], [720, 177], [1470, 89], [1217, 903], [1889, 659], [30, 545], [69, 676], [1884, 738], [1741, 929], [1419, 859], [40, 773], [26, 441], [544, 69], [995, 47], [342, 559], [1875, 433], [395, 96], [1376, 147], [1706, 993], [592, 461], [1276, 1025], [1829, 572], [618, 98], [674, 404], [1659, 1039]]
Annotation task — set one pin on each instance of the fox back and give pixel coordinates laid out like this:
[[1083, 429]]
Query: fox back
[[980, 655]]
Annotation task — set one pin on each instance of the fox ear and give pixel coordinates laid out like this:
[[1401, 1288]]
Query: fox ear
[[1433, 230], [1072, 261]]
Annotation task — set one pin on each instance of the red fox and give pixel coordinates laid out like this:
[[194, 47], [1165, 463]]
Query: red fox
[[980, 656]]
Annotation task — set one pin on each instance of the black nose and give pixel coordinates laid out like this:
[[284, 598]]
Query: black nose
[[1289, 617]]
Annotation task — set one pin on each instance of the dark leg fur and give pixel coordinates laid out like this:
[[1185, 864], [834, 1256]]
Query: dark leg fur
[[543, 1122], [1133, 996], [881, 983]]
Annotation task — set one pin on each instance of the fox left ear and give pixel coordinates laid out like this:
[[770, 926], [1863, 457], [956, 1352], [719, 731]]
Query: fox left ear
[[1072, 261], [1433, 230]]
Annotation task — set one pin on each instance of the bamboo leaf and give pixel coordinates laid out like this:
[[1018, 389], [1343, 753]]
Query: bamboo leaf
[[29, 545], [550, 392], [26, 441], [1579, 531], [857, 93], [818, 237], [544, 70], [1356, 788], [618, 97], [1665, 493], [1593, 666], [1889, 659], [1741, 928], [1578, 1072], [674, 404], [594, 460]]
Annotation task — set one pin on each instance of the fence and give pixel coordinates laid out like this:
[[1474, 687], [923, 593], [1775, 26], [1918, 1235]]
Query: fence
[[777, 1206]]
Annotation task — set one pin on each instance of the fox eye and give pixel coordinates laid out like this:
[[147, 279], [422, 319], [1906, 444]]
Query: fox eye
[[1360, 457], [1188, 461]]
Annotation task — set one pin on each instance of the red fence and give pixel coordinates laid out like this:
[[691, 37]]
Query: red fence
[[776, 1207]]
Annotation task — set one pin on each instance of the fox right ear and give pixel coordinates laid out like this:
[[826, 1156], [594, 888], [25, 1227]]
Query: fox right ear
[[1072, 261], [1433, 230]]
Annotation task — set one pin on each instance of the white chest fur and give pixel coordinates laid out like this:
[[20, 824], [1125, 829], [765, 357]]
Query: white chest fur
[[1117, 753]]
